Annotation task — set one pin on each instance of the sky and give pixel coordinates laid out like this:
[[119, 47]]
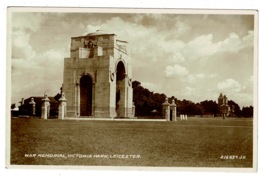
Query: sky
[[190, 56]]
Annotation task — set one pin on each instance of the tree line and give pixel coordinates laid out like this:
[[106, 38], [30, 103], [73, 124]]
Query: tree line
[[148, 103]]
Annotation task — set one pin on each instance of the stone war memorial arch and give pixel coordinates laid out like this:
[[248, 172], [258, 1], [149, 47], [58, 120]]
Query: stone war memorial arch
[[97, 79]]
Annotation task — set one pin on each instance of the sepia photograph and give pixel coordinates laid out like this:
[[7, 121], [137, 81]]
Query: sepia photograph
[[132, 88]]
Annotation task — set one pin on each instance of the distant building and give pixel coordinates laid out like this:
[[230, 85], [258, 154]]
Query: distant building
[[223, 108]]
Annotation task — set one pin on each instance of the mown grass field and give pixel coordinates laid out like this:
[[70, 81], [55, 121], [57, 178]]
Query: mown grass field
[[192, 143]]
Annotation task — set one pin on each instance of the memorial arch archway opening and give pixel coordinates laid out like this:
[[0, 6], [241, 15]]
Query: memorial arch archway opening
[[86, 85], [120, 89]]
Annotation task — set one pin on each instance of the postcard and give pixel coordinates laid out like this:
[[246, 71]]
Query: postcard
[[145, 89]]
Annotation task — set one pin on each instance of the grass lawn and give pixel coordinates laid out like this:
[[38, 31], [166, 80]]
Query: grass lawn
[[192, 143]]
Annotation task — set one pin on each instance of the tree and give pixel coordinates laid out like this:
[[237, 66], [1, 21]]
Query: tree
[[57, 96], [237, 111], [247, 111], [146, 101], [199, 109], [13, 106], [210, 107]]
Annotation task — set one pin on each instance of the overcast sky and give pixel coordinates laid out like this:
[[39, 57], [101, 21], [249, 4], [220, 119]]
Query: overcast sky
[[193, 57]]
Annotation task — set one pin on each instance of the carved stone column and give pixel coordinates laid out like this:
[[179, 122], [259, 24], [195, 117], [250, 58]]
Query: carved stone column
[[133, 110], [166, 110], [62, 106], [32, 107], [174, 110], [45, 107]]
